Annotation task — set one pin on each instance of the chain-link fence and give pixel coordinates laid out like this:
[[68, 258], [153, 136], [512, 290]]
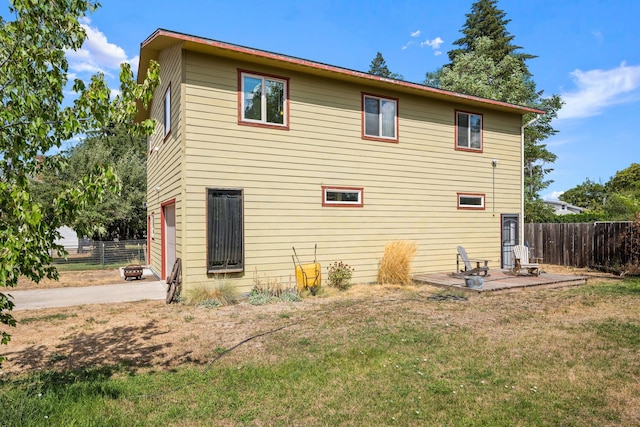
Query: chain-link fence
[[92, 254]]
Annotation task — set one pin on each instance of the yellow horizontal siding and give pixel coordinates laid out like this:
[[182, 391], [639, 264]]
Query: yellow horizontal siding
[[409, 187], [164, 164]]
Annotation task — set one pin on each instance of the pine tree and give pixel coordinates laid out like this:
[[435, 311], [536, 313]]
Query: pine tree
[[379, 67], [486, 20]]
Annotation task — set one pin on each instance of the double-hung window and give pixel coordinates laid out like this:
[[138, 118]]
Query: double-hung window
[[468, 131], [225, 230], [380, 118], [264, 100]]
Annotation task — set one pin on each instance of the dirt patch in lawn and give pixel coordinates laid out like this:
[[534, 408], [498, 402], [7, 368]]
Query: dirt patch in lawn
[[152, 335]]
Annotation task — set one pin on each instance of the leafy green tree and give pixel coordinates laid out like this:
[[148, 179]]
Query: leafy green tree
[[505, 79], [627, 179], [617, 200], [488, 65], [33, 120], [623, 201], [379, 67], [621, 207], [589, 195], [123, 216]]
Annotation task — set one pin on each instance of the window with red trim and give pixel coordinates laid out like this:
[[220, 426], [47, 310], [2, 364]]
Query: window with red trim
[[470, 201], [380, 118], [263, 100], [468, 131], [342, 196]]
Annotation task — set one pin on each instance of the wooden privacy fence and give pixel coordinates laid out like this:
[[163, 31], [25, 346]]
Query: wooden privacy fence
[[580, 245]]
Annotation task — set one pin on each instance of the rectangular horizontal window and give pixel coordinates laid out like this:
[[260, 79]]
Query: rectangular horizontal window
[[342, 196], [380, 119], [468, 131], [470, 201], [263, 100], [225, 230]]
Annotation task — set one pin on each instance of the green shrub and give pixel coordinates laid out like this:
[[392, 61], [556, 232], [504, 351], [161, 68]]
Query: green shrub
[[339, 275]]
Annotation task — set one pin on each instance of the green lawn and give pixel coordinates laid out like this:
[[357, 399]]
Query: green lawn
[[567, 357]]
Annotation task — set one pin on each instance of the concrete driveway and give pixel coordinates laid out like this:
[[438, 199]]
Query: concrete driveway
[[145, 289]]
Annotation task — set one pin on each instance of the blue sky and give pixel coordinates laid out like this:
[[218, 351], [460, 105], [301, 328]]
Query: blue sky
[[587, 53]]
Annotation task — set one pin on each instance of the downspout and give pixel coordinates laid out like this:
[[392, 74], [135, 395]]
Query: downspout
[[532, 121]]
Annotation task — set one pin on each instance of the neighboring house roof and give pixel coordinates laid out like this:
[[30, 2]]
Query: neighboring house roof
[[564, 208], [161, 39]]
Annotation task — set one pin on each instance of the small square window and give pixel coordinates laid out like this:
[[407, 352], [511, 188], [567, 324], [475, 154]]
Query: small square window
[[468, 131], [380, 121], [342, 196], [263, 100], [470, 201]]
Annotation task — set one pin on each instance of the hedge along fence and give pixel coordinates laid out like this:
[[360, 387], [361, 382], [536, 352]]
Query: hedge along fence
[[102, 254], [598, 244]]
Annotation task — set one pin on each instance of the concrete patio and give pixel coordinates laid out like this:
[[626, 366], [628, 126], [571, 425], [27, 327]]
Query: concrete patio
[[501, 280]]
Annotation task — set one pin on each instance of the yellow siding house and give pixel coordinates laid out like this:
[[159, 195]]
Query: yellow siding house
[[256, 152]]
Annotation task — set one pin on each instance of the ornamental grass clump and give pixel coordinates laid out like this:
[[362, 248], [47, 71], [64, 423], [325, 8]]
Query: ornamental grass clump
[[395, 265], [339, 275], [218, 293]]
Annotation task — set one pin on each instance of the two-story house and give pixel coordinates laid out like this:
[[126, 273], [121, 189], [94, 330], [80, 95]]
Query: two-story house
[[257, 152]]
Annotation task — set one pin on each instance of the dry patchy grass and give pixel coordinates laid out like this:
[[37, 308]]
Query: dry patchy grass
[[567, 344]]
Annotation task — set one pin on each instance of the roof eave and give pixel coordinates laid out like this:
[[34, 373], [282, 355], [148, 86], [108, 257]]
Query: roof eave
[[161, 39]]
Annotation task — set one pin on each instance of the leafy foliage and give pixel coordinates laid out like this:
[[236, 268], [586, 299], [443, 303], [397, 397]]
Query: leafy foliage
[[616, 200], [626, 180], [33, 77], [589, 195], [504, 79], [339, 275], [122, 216]]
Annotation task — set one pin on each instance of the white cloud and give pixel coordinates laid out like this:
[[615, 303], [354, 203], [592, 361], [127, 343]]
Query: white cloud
[[97, 54], [599, 89], [415, 33], [435, 43], [406, 46]]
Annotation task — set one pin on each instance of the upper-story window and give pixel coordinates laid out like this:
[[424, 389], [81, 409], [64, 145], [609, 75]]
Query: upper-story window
[[167, 112], [380, 118], [264, 100], [468, 131]]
